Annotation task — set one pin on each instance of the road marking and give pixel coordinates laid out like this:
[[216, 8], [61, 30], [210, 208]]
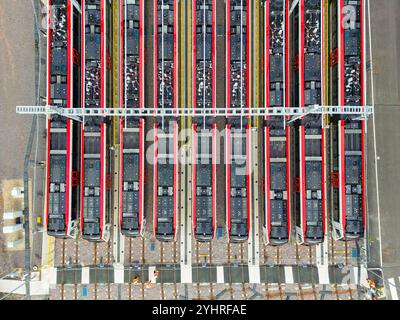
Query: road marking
[[220, 274], [152, 276], [186, 273], [115, 48], [85, 275], [118, 273], [254, 274], [289, 275], [355, 274], [49, 276], [321, 253], [363, 277], [53, 276], [393, 289], [323, 275]]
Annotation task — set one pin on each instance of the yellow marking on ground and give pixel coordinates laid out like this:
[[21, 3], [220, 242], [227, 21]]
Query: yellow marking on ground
[[189, 66], [326, 58], [250, 53], [182, 82], [50, 249], [115, 57], [256, 56]]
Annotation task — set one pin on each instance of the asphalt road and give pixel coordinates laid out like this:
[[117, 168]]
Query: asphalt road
[[17, 87], [17, 67], [385, 25]]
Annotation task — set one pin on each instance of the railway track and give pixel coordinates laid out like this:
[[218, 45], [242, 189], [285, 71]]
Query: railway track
[[63, 244], [130, 263], [229, 252], [95, 254], [236, 250], [142, 285], [242, 262], [276, 261], [76, 263], [210, 252], [301, 293], [70, 262], [203, 250], [109, 265], [162, 263], [102, 260], [333, 263], [175, 261], [311, 263], [137, 280], [345, 262], [346, 259], [197, 245], [266, 288]]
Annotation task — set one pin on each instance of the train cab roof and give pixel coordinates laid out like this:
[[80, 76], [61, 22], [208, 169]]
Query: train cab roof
[[203, 237], [313, 241], [165, 237], [279, 235]]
